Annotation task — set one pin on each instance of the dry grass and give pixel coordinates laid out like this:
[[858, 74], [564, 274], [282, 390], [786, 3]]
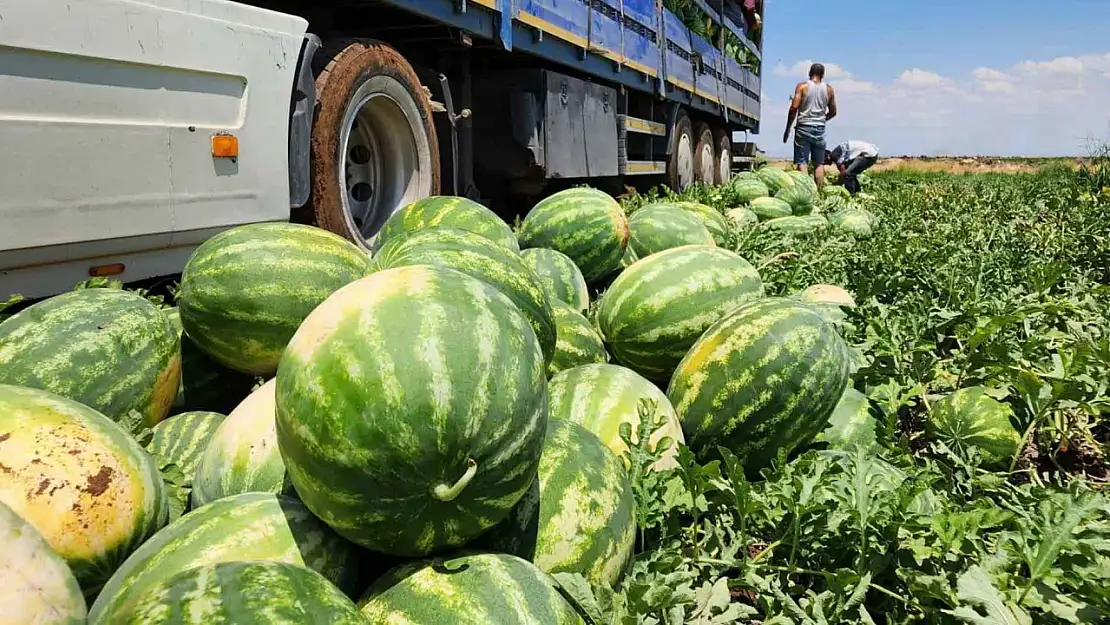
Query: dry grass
[[961, 165]]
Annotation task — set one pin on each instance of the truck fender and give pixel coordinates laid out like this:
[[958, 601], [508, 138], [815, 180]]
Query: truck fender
[[301, 109]]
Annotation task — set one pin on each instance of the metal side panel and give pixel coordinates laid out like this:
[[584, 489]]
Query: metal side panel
[[566, 19], [107, 112], [642, 11], [605, 32], [641, 54], [564, 132], [600, 127], [676, 32]]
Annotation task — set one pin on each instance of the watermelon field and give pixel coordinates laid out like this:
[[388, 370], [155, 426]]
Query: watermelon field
[[754, 403]]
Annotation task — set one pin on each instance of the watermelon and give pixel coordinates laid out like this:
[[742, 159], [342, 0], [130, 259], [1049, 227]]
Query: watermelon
[[743, 217], [182, 439], [799, 198], [796, 225], [206, 385], [628, 258], [579, 516], [971, 418], [744, 191], [655, 310], [479, 258], [774, 178], [763, 379], [467, 589], [242, 528], [86, 485], [255, 593], [559, 276], [601, 397], [827, 294], [804, 180], [579, 343], [36, 584], [835, 191], [770, 208], [448, 212], [658, 227], [855, 221], [110, 350], [851, 424], [583, 223], [242, 456], [711, 218], [417, 393], [244, 291]]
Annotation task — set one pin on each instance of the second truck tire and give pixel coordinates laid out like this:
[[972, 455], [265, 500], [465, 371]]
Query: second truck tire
[[374, 146]]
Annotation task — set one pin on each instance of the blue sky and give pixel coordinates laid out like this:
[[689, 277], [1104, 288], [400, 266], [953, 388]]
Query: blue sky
[[970, 77]]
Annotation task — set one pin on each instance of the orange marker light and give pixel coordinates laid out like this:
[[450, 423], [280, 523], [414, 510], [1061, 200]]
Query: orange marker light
[[225, 146], [106, 270]]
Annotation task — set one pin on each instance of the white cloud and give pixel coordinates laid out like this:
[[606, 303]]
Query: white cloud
[[919, 78], [993, 81], [840, 78], [1059, 65]]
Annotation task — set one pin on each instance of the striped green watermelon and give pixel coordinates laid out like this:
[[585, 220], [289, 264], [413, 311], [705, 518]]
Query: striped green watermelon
[[711, 218], [448, 211], [743, 217], [36, 585], [469, 589], [110, 350], [601, 397], [579, 516], [744, 190], [416, 393], [971, 418], [628, 258], [479, 258], [242, 528], [804, 180], [658, 227], [206, 385], [583, 223], [805, 224], [774, 178], [655, 310], [766, 208], [799, 198], [243, 455], [243, 593], [851, 424], [831, 190], [244, 291], [88, 487], [764, 378], [182, 438], [579, 343], [559, 276], [854, 221]]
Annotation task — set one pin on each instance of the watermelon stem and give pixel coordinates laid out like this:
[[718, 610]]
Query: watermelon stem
[[444, 492]]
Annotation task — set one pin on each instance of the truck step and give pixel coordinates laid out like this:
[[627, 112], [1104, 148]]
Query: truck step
[[642, 168], [642, 126]]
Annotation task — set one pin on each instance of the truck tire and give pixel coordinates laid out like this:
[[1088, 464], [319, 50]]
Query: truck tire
[[722, 140], [680, 162], [705, 161], [374, 146]]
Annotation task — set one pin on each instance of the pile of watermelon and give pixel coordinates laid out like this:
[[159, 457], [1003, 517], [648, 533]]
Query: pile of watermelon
[[427, 434]]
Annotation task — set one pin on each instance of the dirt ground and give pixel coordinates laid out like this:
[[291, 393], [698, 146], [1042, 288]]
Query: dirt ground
[[962, 164]]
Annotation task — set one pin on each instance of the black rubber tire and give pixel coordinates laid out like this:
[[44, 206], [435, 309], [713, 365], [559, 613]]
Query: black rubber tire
[[704, 152], [680, 133], [722, 154], [353, 64]]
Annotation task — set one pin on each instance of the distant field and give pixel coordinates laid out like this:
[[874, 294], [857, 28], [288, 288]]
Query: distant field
[[963, 164]]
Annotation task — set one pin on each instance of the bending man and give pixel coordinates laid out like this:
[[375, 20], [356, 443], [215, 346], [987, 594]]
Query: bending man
[[814, 104], [853, 158]]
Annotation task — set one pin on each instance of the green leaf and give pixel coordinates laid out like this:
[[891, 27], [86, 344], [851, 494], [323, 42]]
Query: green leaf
[[976, 590]]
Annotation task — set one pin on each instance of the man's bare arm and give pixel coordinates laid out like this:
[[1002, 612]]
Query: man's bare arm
[[832, 104], [799, 92]]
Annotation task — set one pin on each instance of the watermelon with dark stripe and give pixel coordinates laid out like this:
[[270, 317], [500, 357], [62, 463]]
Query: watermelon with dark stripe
[[774, 178], [578, 344], [110, 350], [804, 180], [559, 276], [655, 310], [971, 418], [743, 217], [856, 221], [711, 218], [86, 485], [764, 378], [471, 589], [658, 227], [745, 190], [244, 291], [448, 211], [415, 394], [479, 258], [806, 224], [601, 397], [243, 455], [36, 585], [766, 208], [799, 197], [579, 516], [182, 438], [583, 223], [243, 593], [243, 528], [206, 385]]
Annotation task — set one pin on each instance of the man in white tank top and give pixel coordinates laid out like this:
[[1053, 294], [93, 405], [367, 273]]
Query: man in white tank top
[[814, 104]]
